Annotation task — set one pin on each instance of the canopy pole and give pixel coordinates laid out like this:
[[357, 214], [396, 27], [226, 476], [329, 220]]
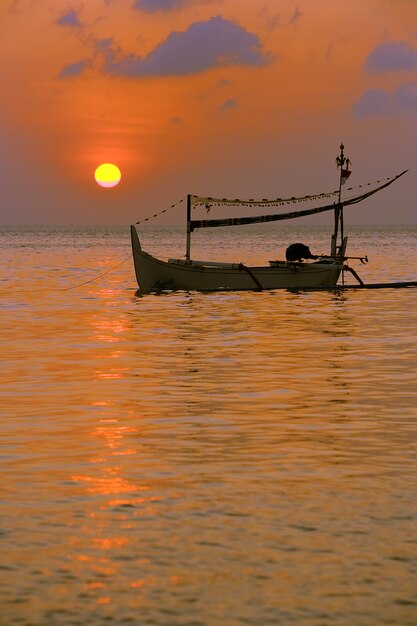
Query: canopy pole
[[188, 248], [336, 228]]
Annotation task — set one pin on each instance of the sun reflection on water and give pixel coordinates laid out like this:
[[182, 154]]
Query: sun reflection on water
[[230, 455]]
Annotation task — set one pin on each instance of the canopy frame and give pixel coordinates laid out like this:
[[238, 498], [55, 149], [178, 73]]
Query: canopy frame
[[337, 207]]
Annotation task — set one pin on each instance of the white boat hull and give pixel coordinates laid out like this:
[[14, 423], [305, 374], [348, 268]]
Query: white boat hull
[[154, 275]]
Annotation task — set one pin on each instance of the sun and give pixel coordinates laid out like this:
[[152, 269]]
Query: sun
[[107, 175]]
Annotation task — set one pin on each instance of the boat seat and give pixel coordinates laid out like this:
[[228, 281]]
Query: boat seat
[[206, 263], [287, 263], [324, 262]]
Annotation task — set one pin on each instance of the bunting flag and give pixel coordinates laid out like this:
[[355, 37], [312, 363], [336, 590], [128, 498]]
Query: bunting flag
[[208, 201], [257, 219]]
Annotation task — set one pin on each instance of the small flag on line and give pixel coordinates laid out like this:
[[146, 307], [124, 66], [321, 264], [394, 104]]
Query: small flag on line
[[345, 175]]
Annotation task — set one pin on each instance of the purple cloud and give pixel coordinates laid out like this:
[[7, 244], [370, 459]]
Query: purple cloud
[[391, 57], [228, 104], [215, 43], [104, 45], [69, 19], [372, 102], [153, 6], [73, 69], [381, 102], [406, 97]]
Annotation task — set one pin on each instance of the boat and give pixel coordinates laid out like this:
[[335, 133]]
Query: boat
[[302, 271]]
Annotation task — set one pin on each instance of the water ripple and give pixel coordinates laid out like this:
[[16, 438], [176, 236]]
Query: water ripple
[[204, 459]]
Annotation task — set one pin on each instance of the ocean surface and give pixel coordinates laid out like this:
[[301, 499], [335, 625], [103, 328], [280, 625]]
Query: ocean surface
[[218, 459]]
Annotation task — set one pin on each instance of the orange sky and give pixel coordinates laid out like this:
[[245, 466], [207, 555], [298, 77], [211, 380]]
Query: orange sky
[[214, 97]]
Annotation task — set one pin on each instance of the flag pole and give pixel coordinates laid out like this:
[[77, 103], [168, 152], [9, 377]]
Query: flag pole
[[341, 161]]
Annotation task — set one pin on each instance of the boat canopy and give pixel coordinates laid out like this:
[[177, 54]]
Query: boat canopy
[[257, 219]]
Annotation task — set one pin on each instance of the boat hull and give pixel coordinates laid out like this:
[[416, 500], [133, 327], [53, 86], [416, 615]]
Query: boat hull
[[154, 275]]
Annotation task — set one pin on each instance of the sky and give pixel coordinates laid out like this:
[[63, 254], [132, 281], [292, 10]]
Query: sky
[[229, 98]]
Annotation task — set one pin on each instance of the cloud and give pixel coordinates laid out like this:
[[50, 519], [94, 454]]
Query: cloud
[[213, 90], [406, 97], [372, 102], [228, 104], [69, 19], [154, 6], [295, 17], [287, 17], [73, 69], [391, 57], [215, 43], [381, 102], [104, 45]]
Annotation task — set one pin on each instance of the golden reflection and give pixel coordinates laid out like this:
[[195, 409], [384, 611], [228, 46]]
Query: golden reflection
[[94, 585], [104, 600], [113, 373], [108, 543], [108, 330], [103, 569], [126, 452], [113, 434], [113, 479], [107, 485], [175, 580], [137, 584], [111, 355]]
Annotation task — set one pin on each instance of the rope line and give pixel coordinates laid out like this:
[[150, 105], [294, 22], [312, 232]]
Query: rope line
[[208, 201], [280, 201], [375, 182], [151, 217], [97, 277], [86, 282]]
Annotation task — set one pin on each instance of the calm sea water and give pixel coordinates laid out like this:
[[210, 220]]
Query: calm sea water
[[195, 459]]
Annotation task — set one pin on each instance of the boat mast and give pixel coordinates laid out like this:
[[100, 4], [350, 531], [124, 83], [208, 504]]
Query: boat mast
[[188, 248], [341, 161]]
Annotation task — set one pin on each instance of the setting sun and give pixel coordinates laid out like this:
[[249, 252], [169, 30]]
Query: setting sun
[[107, 175]]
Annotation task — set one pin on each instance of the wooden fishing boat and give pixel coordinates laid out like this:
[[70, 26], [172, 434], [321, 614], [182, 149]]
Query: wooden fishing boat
[[155, 275]]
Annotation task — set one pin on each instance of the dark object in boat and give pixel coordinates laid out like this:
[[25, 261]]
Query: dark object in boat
[[298, 252]]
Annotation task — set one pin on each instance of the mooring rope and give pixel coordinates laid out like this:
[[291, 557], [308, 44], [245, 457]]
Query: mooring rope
[[99, 276], [86, 282]]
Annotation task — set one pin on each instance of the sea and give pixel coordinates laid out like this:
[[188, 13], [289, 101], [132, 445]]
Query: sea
[[205, 459]]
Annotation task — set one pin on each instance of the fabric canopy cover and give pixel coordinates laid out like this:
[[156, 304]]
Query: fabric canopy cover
[[257, 219]]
